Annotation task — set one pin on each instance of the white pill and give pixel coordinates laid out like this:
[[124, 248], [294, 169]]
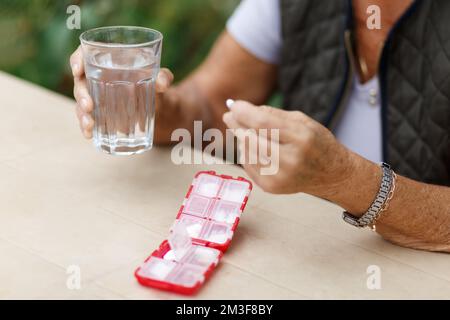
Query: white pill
[[229, 103]]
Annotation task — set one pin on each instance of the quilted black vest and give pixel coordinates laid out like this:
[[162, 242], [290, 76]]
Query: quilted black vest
[[316, 73]]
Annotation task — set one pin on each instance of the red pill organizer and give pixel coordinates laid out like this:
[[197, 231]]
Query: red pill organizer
[[202, 232]]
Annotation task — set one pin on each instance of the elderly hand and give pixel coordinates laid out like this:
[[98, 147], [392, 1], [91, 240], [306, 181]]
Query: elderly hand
[[310, 158]]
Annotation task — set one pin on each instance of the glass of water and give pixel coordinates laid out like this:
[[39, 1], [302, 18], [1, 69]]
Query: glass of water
[[121, 65]]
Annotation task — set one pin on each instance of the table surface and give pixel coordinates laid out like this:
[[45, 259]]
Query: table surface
[[65, 204]]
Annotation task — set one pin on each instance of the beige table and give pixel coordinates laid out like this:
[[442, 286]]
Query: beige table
[[63, 203]]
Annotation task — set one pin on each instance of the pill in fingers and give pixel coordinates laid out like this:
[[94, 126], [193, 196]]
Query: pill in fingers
[[229, 103]]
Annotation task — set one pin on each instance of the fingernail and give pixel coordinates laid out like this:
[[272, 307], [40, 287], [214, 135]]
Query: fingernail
[[229, 103]]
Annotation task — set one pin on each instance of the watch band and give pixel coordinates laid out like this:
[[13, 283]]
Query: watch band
[[380, 203]]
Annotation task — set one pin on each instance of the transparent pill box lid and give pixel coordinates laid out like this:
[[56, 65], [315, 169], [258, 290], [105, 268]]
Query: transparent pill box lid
[[201, 233]]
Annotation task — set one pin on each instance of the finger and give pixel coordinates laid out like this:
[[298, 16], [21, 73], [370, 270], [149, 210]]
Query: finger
[[282, 135], [288, 123], [258, 155], [271, 118], [76, 63], [266, 176], [79, 112], [86, 122], [231, 122], [268, 149], [81, 94], [256, 146], [87, 134], [164, 80], [252, 116]]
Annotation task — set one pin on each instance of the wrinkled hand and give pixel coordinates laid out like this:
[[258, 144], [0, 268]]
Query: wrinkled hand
[[85, 105], [311, 160]]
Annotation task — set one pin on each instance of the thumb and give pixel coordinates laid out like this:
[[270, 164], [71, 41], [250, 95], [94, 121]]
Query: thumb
[[164, 80]]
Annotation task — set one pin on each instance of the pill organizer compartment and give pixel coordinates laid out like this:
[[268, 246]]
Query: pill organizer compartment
[[187, 275], [193, 225], [206, 232], [198, 255], [225, 211], [216, 232], [197, 205], [160, 273], [234, 190], [207, 185], [217, 210], [202, 256], [156, 268]]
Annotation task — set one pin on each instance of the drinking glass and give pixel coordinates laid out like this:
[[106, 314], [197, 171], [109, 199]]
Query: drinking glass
[[121, 65]]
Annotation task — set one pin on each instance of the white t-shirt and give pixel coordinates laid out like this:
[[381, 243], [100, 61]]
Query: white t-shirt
[[256, 26]]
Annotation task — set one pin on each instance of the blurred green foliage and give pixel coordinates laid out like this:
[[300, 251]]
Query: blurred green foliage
[[36, 43]]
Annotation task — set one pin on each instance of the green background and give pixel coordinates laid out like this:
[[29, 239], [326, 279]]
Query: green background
[[36, 43]]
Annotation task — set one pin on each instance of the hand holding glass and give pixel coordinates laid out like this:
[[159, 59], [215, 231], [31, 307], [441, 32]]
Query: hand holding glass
[[121, 65]]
